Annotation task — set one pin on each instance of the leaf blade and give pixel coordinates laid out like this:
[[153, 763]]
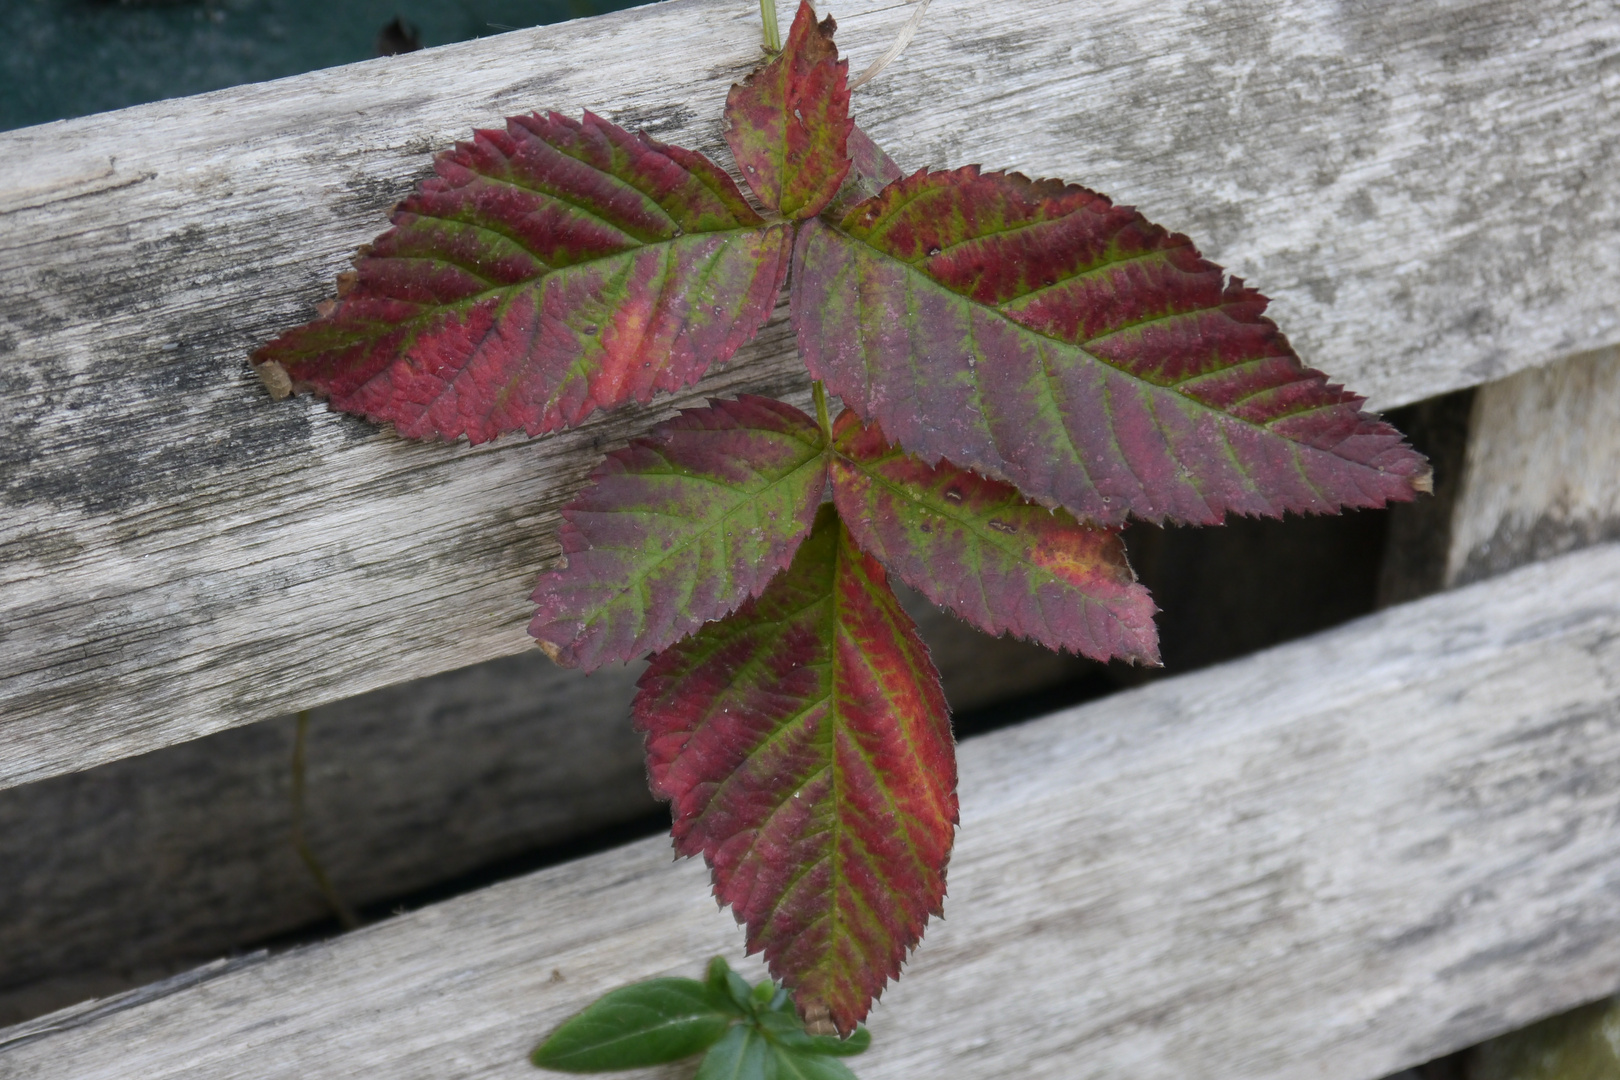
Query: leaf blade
[[1038, 334], [742, 1055], [679, 528], [647, 1023], [788, 123], [981, 551], [547, 270], [795, 1064], [809, 730]]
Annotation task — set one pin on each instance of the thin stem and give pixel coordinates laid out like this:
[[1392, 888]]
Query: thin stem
[[819, 392], [899, 46], [767, 15], [343, 911]]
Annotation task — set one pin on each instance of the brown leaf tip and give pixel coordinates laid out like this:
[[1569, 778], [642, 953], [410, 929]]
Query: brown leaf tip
[[552, 652], [818, 1019], [275, 378], [1423, 482]]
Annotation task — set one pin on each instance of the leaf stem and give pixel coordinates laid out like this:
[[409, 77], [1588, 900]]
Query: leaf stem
[[819, 392], [767, 15], [306, 854]]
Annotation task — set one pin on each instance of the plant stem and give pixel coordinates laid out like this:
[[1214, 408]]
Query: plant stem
[[819, 392], [767, 15], [343, 911]]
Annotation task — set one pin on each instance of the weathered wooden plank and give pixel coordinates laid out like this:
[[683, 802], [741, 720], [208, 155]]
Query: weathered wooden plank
[[1330, 860], [1429, 190], [1542, 475]]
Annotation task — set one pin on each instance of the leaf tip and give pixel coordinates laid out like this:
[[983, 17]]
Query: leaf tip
[[274, 377], [818, 1018], [553, 653], [1423, 482]]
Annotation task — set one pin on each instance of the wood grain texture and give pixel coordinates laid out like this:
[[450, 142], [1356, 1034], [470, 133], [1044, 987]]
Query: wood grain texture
[[1332, 860], [1430, 191], [1542, 474]]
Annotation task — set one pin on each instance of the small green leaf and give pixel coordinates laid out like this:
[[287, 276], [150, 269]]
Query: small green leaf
[[725, 986], [738, 992], [857, 1043], [648, 1023], [742, 1055], [764, 993], [792, 1064]]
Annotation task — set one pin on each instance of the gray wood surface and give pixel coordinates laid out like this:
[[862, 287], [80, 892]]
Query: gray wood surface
[[1330, 860], [1542, 475], [1430, 191]]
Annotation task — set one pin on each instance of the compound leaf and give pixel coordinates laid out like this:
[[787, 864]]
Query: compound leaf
[[547, 270], [806, 748], [647, 1023], [1041, 335], [679, 528], [788, 123], [978, 548]]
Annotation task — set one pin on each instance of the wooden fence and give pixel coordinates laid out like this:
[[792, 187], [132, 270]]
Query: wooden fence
[[1333, 859]]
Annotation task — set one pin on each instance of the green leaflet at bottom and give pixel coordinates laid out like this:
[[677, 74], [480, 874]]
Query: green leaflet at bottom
[[807, 1065], [647, 1023], [742, 1055]]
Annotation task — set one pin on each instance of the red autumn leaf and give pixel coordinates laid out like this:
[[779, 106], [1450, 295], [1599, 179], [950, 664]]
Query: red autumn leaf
[[547, 270], [1041, 335], [788, 122], [679, 528], [980, 550], [805, 745]]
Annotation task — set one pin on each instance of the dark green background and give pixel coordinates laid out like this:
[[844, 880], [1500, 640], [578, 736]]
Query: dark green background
[[62, 58]]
